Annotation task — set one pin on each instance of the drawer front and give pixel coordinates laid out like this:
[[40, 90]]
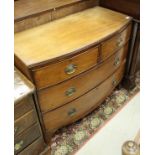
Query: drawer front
[[23, 107], [26, 138], [25, 122], [35, 148], [58, 72], [110, 46], [83, 105], [58, 95]]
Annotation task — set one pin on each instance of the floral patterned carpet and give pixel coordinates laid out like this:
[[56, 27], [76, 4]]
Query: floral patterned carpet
[[68, 139]]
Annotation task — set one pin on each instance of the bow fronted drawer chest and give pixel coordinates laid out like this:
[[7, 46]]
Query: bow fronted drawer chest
[[75, 63]]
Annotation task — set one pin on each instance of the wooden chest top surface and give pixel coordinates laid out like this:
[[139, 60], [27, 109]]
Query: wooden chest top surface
[[68, 35], [22, 86]]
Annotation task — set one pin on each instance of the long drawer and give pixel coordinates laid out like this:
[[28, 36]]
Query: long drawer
[[59, 95], [25, 122], [26, 138], [110, 46], [83, 105], [58, 72]]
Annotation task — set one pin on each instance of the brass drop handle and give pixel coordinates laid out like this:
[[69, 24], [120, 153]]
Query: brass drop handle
[[119, 41], [70, 91], [117, 61], [114, 82], [70, 69], [15, 129], [19, 145], [72, 112]]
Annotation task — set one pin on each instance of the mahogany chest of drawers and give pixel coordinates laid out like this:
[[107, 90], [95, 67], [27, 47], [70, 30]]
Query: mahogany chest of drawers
[[75, 63], [28, 139]]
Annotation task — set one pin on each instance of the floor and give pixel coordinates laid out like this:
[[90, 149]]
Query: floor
[[111, 136]]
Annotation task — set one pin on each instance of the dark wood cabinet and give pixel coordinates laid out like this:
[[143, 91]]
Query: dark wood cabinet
[[129, 7], [133, 61]]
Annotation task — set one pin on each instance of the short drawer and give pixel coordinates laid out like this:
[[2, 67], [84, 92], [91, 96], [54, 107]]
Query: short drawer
[[58, 72], [23, 106], [26, 138], [111, 45], [53, 97], [83, 105], [25, 122], [35, 148]]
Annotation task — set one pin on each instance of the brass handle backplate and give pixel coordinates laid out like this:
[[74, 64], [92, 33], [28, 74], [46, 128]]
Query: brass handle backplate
[[70, 91], [117, 61], [72, 112], [119, 41], [114, 82], [15, 129], [19, 145], [70, 69]]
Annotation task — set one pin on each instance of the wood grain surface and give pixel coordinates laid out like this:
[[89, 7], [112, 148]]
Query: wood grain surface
[[56, 96], [131, 8], [35, 148], [32, 21], [31, 13], [24, 122], [26, 138], [23, 106], [24, 8], [67, 35], [56, 72], [115, 43], [22, 86], [83, 105]]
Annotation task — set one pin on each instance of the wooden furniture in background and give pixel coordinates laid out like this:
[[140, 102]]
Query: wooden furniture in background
[[28, 139], [31, 13], [75, 63], [131, 8], [133, 62]]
